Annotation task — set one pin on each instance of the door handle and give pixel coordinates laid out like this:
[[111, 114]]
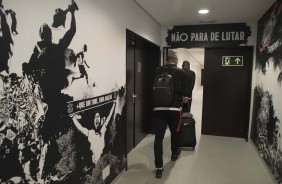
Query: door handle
[[133, 97]]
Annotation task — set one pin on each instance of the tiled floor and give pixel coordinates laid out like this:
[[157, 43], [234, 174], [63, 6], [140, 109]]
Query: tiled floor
[[216, 160]]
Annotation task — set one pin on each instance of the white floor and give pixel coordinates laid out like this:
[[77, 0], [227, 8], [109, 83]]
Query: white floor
[[216, 160]]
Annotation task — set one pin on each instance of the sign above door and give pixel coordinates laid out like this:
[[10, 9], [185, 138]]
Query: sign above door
[[209, 35]]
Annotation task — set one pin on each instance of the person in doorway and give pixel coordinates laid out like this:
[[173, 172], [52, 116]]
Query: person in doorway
[[190, 77], [164, 116], [95, 136]]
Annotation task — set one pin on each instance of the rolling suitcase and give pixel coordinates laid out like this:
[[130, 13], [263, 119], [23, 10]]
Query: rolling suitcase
[[187, 131]]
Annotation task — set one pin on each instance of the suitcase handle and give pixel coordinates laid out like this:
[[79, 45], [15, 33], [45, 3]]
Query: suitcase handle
[[179, 123]]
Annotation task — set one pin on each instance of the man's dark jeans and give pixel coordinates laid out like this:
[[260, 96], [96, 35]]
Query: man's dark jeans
[[163, 118]]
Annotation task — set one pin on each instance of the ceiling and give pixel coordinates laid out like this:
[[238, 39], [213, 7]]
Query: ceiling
[[185, 12]]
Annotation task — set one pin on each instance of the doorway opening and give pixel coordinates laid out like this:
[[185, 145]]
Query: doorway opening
[[195, 56], [226, 87]]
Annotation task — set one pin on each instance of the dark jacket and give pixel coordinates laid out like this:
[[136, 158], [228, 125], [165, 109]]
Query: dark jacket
[[190, 75], [179, 81]]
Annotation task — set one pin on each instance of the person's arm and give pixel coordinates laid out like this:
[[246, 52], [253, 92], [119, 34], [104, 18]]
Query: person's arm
[[79, 126], [66, 40], [86, 63], [184, 88]]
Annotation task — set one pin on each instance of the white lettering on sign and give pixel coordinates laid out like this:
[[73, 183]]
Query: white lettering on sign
[[183, 37], [108, 97], [101, 99], [200, 37], [81, 105], [94, 101], [206, 36], [214, 36], [88, 103], [176, 37], [232, 36]]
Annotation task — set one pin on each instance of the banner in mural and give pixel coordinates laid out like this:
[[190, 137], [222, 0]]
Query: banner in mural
[[58, 124]]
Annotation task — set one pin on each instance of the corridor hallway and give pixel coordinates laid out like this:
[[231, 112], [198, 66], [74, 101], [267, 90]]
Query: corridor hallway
[[216, 160]]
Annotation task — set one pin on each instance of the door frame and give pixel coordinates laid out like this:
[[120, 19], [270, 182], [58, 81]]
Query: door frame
[[165, 54], [249, 49], [130, 35]]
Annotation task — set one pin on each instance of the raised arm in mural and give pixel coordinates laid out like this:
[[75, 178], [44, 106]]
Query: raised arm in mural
[[95, 136], [45, 34], [5, 37]]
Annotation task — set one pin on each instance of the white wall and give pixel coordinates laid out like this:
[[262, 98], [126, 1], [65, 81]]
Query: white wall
[[101, 24]]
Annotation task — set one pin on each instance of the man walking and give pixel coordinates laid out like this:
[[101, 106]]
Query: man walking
[[169, 115], [190, 75]]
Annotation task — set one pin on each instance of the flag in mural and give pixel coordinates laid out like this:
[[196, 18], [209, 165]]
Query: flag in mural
[[58, 123]]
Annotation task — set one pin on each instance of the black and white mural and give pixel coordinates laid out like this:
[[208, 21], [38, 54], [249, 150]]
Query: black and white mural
[[267, 107], [62, 117], [269, 42], [266, 131]]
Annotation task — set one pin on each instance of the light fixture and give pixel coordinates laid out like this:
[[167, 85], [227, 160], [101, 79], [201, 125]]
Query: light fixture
[[204, 11]]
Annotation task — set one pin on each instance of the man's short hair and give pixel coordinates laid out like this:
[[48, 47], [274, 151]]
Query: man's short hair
[[185, 63], [171, 59]]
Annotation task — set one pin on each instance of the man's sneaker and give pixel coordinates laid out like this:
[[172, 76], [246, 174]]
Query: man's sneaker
[[159, 172], [175, 157]]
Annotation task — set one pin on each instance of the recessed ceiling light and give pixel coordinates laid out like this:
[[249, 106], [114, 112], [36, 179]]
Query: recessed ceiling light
[[204, 11]]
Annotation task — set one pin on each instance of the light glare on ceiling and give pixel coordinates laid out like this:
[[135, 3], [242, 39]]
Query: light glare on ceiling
[[204, 11]]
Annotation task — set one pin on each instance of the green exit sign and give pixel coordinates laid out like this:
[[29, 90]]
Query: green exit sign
[[232, 60]]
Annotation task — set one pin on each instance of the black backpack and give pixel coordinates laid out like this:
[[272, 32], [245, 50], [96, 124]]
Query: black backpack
[[163, 90]]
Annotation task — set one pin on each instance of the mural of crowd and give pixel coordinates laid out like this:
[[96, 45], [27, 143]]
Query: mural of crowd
[[266, 125], [40, 141], [267, 132]]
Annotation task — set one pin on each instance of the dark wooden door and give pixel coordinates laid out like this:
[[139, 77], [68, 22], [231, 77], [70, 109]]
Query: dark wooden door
[[142, 59], [227, 89], [130, 80], [142, 55]]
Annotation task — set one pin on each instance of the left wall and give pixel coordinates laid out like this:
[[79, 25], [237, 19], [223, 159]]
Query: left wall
[[62, 105]]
